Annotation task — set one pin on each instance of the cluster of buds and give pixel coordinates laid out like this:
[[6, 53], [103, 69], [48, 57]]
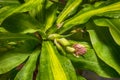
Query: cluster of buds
[[63, 44], [77, 49]]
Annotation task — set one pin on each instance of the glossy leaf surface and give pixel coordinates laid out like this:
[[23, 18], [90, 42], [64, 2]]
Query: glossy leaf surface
[[11, 59], [26, 73], [9, 10], [20, 23], [69, 8], [105, 47], [114, 27], [54, 65], [91, 62], [83, 17], [50, 16]]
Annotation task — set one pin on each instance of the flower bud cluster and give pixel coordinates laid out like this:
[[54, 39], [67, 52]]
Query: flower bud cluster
[[63, 44], [77, 49]]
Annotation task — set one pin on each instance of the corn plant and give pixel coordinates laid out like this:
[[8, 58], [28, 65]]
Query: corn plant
[[57, 40]]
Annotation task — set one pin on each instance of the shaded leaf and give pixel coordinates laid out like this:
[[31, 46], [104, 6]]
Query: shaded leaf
[[5, 76], [105, 47], [39, 11], [9, 10], [9, 75], [16, 37], [9, 2], [27, 45], [91, 62], [20, 23], [114, 27], [26, 73], [11, 59]]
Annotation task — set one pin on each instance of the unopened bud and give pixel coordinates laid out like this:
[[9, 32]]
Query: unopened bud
[[53, 36], [63, 42], [70, 49], [79, 49]]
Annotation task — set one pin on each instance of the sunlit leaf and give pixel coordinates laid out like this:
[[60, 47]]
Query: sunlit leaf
[[50, 16], [55, 66], [68, 10], [84, 16]]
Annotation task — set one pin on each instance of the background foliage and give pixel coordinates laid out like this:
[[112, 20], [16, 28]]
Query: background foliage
[[57, 40]]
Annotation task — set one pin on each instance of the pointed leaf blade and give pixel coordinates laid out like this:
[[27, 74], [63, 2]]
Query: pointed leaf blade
[[114, 27], [20, 23], [83, 17], [51, 16], [26, 73], [69, 8], [15, 37], [9, 10], [105, 47], [10, 60], [91, 62], [52, 65]]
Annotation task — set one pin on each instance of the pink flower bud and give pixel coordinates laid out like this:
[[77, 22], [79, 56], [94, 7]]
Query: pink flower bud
[[79, 49]]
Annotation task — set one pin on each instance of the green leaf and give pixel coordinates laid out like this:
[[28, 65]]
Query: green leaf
[[9, 10], [16, 37], [17, 55], [50, 16], [20, 23], [5, 76], [27, 45], [11, 59], [81, 78], [39, 11], [26, 73], [114, 27], [106, 49], [84, 16], [69, 8], [2, 30], [9, 75], [111, 14], [9, 2], [91, 62], [53, 66]]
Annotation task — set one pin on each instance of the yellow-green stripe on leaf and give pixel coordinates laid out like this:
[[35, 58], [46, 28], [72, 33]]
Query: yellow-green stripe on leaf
[[81, 18], [52, 67], [69, 8]]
